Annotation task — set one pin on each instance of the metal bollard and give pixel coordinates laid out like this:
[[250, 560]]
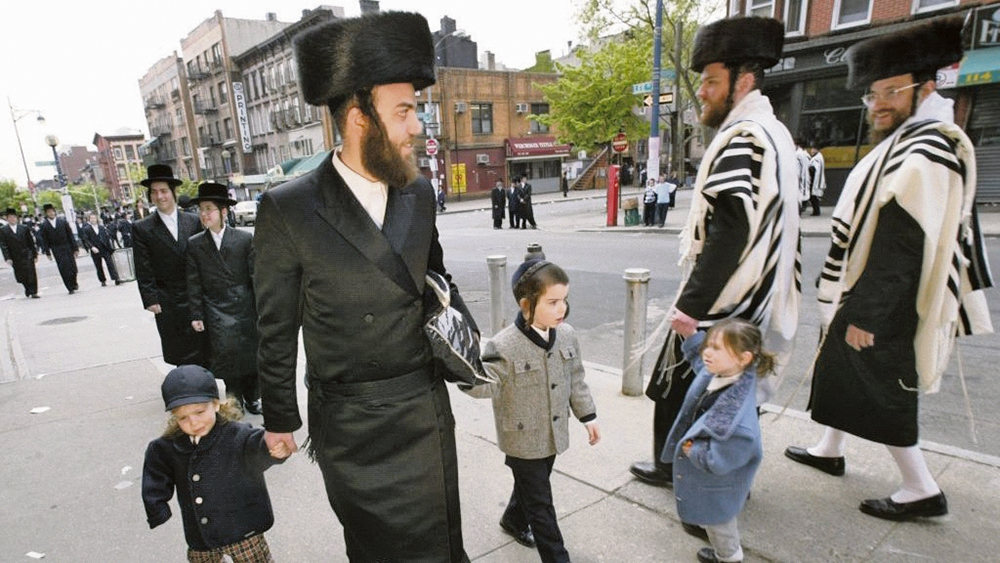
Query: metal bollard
[[498, 292], [636, 286]]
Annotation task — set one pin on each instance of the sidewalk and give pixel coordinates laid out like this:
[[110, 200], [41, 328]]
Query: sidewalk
[[989, 216], [71, 474]]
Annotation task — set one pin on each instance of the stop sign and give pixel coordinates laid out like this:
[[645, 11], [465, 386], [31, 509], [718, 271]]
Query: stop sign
[[619, 143], [431, 147]]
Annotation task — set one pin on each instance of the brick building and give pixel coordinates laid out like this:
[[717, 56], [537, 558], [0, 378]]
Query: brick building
[[807, 85], [170, 117], [118, 156]]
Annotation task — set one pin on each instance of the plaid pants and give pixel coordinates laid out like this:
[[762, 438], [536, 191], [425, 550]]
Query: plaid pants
[[251, 550]]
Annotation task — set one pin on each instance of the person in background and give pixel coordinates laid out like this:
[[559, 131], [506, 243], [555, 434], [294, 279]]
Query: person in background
[[524, 204], [649, 200], [17, 243], [802, 158], [664, 199], [221, 298], [817, 177], [160, 243], [97, 240], [514, 205], [58, 240], [498, 198]]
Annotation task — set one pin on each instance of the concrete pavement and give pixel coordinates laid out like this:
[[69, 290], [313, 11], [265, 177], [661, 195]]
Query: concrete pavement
[[70, 477]]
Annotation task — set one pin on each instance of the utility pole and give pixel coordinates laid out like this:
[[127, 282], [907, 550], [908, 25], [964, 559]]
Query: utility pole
[[679, 169], [653, 163]]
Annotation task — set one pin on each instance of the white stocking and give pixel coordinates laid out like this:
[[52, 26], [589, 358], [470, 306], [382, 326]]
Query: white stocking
[[918, 483], [830, 445]]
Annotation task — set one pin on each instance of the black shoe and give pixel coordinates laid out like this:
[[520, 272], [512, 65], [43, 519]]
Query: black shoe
[[253, 407], [104, 284], [72, 291], [832, 465], [523, 537], [118, 282], [695, 530], [888, 509], [707, 555], [649, 472]]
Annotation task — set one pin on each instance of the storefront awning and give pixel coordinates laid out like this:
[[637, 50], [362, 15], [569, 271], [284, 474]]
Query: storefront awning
[[980, 66], [535, 147]]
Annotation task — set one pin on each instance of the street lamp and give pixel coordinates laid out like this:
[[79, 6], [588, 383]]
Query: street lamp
[[15, 116], [67, 201]]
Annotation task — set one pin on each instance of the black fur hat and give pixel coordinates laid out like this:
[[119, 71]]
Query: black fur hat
[[737, 40], [925, 47], [341, 57]]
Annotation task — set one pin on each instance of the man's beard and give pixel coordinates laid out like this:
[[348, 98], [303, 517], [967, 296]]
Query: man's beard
[[898, 118], [383, 159], [715, 116]]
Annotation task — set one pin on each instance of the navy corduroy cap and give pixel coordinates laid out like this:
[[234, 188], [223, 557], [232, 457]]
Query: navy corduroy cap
[[188, 384]]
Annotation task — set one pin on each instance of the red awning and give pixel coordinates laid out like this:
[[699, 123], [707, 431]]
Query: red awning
[[536, 146]]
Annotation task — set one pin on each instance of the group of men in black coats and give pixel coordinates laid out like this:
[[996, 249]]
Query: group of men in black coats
[[517, 199]]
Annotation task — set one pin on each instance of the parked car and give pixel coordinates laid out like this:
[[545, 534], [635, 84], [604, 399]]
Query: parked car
[[246, 212]]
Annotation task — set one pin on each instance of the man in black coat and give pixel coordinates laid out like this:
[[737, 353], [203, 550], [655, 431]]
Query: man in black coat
[[221, 298], [58, 241], [17, 243], [514, 205], [160, 242], [342, 253], [499, 200], [97, 240], [527, 213], [125, 228]]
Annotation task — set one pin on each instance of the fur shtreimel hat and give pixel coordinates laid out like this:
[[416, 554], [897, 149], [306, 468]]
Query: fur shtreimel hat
[[737, 40], [925, 47], [339, 58]]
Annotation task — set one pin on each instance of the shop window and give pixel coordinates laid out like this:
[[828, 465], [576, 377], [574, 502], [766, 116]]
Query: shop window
[[762, 8], [795, 16], [849, 13], [984, 122], [482, 118], [831, 115]]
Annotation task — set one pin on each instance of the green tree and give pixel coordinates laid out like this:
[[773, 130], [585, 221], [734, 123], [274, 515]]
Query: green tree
[[590, 103], [543, 63], [600, 17], [7, 190], [84, 195]]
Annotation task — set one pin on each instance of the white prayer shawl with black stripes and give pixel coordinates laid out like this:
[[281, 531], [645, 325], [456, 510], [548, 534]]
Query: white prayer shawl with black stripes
[[928, 167], [765, 288]]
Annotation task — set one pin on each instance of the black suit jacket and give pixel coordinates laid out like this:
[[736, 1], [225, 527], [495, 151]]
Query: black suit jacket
[[59, 237], [356, 291], [159, 259], [100, 240], [17, 244]]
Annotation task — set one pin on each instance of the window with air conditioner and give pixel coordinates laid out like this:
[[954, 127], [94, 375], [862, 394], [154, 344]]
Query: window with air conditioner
[[461, 107], [482, 159]]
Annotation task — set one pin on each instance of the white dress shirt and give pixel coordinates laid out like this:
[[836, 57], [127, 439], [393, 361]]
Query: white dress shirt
[[218, 237], [373, 196], [170, 221]]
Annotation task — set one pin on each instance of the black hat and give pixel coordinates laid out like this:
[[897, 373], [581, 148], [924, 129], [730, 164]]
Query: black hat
[[527, 269], [160, 173], [338, 58], [211, 191], [48, 206], [925, 47], [188, 384], [10, 211], [737, 40]]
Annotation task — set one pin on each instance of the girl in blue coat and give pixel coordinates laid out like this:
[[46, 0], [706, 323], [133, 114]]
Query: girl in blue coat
[[715, 444]]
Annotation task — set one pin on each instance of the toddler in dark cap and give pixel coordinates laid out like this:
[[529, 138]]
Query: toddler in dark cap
[[216, 464]]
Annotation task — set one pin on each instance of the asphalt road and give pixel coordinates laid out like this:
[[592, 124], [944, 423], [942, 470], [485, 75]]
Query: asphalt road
[[572, 235]]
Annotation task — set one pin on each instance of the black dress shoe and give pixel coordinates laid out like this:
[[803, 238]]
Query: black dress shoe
[[104, 284], [118, 282], [707, 555], [888, 509], [523, 537], [832, 465], [34, 296], [695, 530], [253, 407], [649, 472]]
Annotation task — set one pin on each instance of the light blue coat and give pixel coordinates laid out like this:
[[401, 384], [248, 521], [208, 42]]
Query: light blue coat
[[712, 483]]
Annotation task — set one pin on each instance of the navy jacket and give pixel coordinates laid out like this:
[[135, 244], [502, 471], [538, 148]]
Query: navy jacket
[[220, 484]]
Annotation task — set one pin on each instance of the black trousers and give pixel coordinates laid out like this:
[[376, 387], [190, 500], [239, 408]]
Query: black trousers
[[66, 262], [527, 215], [515, 216], [531, 505], [814, 201], [105, 256]]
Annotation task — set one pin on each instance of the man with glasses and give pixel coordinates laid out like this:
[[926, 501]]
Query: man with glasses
[[906, 268]]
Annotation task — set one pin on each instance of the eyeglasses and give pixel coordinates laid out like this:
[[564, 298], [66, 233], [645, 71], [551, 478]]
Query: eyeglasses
[[889, 95]]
